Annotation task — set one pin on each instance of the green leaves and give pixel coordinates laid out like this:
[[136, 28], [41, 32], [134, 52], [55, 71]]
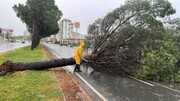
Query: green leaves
[[160, 59], [41, 18], [163, 8], [133, 36], [45, 13], [23, 13]]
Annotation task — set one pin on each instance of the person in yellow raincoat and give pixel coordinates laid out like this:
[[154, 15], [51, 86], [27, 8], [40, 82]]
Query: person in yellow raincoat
[[78, 56]]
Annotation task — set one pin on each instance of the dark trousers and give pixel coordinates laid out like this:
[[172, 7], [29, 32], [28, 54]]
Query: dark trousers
[[77, 68]]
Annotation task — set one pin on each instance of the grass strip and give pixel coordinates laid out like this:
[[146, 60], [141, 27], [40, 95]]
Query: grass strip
[[28, 85]]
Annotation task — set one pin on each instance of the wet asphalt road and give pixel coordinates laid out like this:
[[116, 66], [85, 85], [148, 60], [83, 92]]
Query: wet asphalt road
[[7, 46], [119, 88]]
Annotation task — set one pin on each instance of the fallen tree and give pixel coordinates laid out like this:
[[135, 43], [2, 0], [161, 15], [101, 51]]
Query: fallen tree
[[117, 39]]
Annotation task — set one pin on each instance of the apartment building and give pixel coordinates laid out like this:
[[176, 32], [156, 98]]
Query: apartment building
[[66, 28]]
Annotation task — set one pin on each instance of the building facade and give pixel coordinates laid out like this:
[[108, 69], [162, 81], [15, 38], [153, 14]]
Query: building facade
[[66, 28], [66, 33]]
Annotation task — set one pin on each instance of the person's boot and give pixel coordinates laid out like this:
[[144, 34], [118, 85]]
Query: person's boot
[[76, 69], [79, 70]]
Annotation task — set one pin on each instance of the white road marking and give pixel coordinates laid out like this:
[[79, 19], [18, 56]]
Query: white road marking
[[156, 84], [166, 87], [92, 88], [142, 81]]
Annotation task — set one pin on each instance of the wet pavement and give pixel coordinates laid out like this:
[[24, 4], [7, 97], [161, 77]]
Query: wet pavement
[[120, 88], [7, 46]]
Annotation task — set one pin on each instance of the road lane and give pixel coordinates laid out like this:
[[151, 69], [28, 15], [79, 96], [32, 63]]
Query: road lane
[[7, 46], [118, 88]]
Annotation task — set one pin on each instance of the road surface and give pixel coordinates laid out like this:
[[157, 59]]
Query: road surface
[[117, 88], [7, 46]]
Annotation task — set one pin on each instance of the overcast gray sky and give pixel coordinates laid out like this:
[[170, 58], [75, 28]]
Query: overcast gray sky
[[83, 11]]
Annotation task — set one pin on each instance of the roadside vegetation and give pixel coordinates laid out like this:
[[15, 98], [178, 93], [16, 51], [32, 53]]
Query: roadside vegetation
[[28, 85]]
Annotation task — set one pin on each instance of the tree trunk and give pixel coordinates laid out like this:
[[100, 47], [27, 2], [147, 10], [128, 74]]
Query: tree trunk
[[37, 41], [35, 34], [32, 44], [9, 66]]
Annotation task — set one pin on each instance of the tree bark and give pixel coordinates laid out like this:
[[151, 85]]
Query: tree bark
[[33, 33], [38, 41], [33, 41], [9, 66], [35, 37]]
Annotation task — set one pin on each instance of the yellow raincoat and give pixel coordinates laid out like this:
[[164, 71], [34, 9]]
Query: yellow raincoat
[[78, 55]]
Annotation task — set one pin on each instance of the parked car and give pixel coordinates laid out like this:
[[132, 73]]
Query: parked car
[[23, 41]]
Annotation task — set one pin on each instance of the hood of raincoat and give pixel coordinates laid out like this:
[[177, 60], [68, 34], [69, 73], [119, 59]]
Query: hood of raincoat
[[82, 44]]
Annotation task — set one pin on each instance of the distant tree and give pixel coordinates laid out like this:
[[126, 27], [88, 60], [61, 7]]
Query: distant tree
[[40, 17]]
